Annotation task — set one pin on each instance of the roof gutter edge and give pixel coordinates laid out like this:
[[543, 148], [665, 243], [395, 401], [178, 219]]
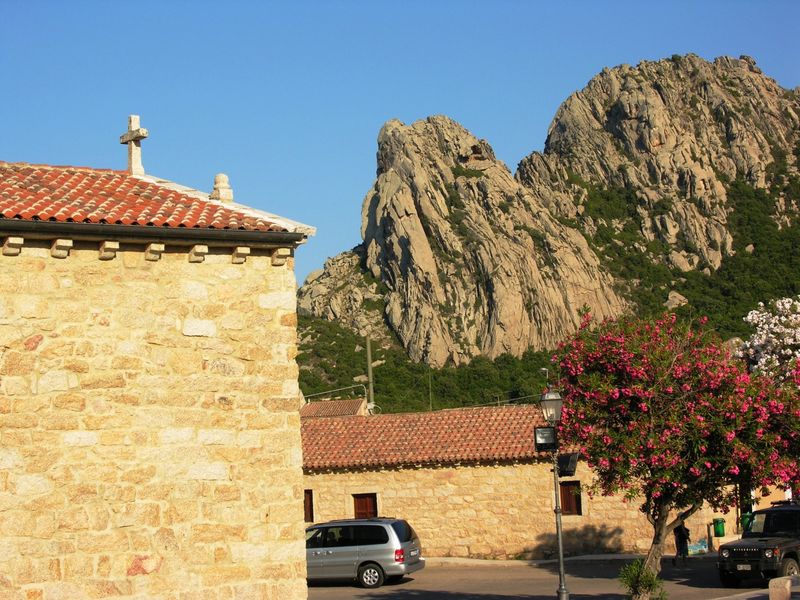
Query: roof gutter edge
[[173, 235]]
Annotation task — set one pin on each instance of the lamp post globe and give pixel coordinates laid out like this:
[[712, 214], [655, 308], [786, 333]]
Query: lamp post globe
[[551, 404]]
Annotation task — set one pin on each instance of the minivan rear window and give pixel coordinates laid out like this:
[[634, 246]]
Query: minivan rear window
[[404, 531], [371, 535]]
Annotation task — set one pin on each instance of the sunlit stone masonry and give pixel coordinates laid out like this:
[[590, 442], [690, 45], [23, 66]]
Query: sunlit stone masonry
[[149, 428]]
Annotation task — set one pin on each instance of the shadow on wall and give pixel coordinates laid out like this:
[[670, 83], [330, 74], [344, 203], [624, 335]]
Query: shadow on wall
[[590, 539]]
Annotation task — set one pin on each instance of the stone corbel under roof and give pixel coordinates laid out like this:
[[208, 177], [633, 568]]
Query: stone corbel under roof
[[197, 241]]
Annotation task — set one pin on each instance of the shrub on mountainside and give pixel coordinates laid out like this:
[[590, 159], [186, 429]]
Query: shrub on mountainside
[[461, 171], [771, 270]]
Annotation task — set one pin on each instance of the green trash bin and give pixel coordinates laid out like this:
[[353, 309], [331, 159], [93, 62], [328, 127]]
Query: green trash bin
[[719, 527]]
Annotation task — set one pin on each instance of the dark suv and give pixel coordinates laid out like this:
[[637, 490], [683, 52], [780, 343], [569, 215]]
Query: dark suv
[[770, 546]]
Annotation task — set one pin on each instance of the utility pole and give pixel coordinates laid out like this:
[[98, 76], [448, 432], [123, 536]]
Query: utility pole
[[430, 395], [371, 399]]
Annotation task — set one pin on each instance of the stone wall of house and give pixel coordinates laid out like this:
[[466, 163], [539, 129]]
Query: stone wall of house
[[149, 428], [498, 511]]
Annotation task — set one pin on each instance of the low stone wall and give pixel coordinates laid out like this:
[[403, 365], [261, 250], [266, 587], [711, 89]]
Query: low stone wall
[[494, 511], [149, 427]]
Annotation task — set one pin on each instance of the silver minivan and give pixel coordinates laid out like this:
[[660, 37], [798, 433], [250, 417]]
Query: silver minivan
[[370, 551]]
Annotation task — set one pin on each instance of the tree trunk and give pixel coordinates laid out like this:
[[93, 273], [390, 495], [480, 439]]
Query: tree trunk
[[652, 561], [662, 527]]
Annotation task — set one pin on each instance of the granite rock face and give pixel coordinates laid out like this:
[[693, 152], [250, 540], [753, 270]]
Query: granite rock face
[[461, 258], [675, 131], [470, 261]]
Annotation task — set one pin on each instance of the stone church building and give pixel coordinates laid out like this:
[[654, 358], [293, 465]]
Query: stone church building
[[149, 424]]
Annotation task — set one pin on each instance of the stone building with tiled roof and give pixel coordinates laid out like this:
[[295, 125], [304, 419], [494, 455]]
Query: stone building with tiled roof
[[468, 480], [334, 408], [149, 429], [488, 433]]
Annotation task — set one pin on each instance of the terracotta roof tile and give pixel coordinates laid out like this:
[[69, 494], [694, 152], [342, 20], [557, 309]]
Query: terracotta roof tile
[[333, 408], [84, 195], [446, 436]]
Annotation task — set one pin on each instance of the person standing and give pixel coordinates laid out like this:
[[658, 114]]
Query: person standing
[[682, 537]]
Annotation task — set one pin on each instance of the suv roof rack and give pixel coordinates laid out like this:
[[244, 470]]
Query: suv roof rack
[[792, 502]]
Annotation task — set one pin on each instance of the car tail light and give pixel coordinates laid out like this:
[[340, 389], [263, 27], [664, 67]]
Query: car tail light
[[399, 556]]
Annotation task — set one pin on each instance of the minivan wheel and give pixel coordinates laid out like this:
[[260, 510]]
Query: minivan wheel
[[789, 567], [370, 575]]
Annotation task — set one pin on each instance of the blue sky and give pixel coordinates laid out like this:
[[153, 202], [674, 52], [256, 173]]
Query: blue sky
[[287, 98]]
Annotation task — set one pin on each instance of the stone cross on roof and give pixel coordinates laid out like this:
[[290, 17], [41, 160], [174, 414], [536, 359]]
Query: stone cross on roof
[[133, 137]]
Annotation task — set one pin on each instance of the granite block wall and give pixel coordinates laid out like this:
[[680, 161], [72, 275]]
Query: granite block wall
[[149, 428], [491, 511]]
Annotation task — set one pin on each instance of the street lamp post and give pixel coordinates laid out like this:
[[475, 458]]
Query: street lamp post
[[551, 404]]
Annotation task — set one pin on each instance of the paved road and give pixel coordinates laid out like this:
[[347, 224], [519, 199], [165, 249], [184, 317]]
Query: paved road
[[596, 580]]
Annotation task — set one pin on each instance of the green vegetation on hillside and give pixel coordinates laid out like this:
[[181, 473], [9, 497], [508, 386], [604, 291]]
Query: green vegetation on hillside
[[461, 171], [633, 260], [767, 270], [766, 265], [332, 357]]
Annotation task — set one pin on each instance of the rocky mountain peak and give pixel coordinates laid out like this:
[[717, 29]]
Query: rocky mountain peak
[[675, 130], [461, 258], [471, 261]]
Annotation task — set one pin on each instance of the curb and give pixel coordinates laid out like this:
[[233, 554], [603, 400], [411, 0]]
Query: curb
[[765, 594], [479, 562], [512, 563], [443, 561]]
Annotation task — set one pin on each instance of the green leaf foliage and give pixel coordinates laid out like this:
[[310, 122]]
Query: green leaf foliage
[[638, 580], [461, 171], [610, 203], [332, 356]]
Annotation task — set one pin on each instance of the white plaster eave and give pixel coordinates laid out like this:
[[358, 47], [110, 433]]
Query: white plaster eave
[[288, 224]]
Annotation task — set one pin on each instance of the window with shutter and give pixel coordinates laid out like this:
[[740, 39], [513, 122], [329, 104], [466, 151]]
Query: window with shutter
[[365, 505], [308, 505], [570, 497]]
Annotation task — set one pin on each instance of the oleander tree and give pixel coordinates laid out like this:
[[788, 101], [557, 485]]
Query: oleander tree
[[774, 347], [665, 416]]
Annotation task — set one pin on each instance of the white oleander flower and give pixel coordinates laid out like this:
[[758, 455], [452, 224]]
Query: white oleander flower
[[774, 348]]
